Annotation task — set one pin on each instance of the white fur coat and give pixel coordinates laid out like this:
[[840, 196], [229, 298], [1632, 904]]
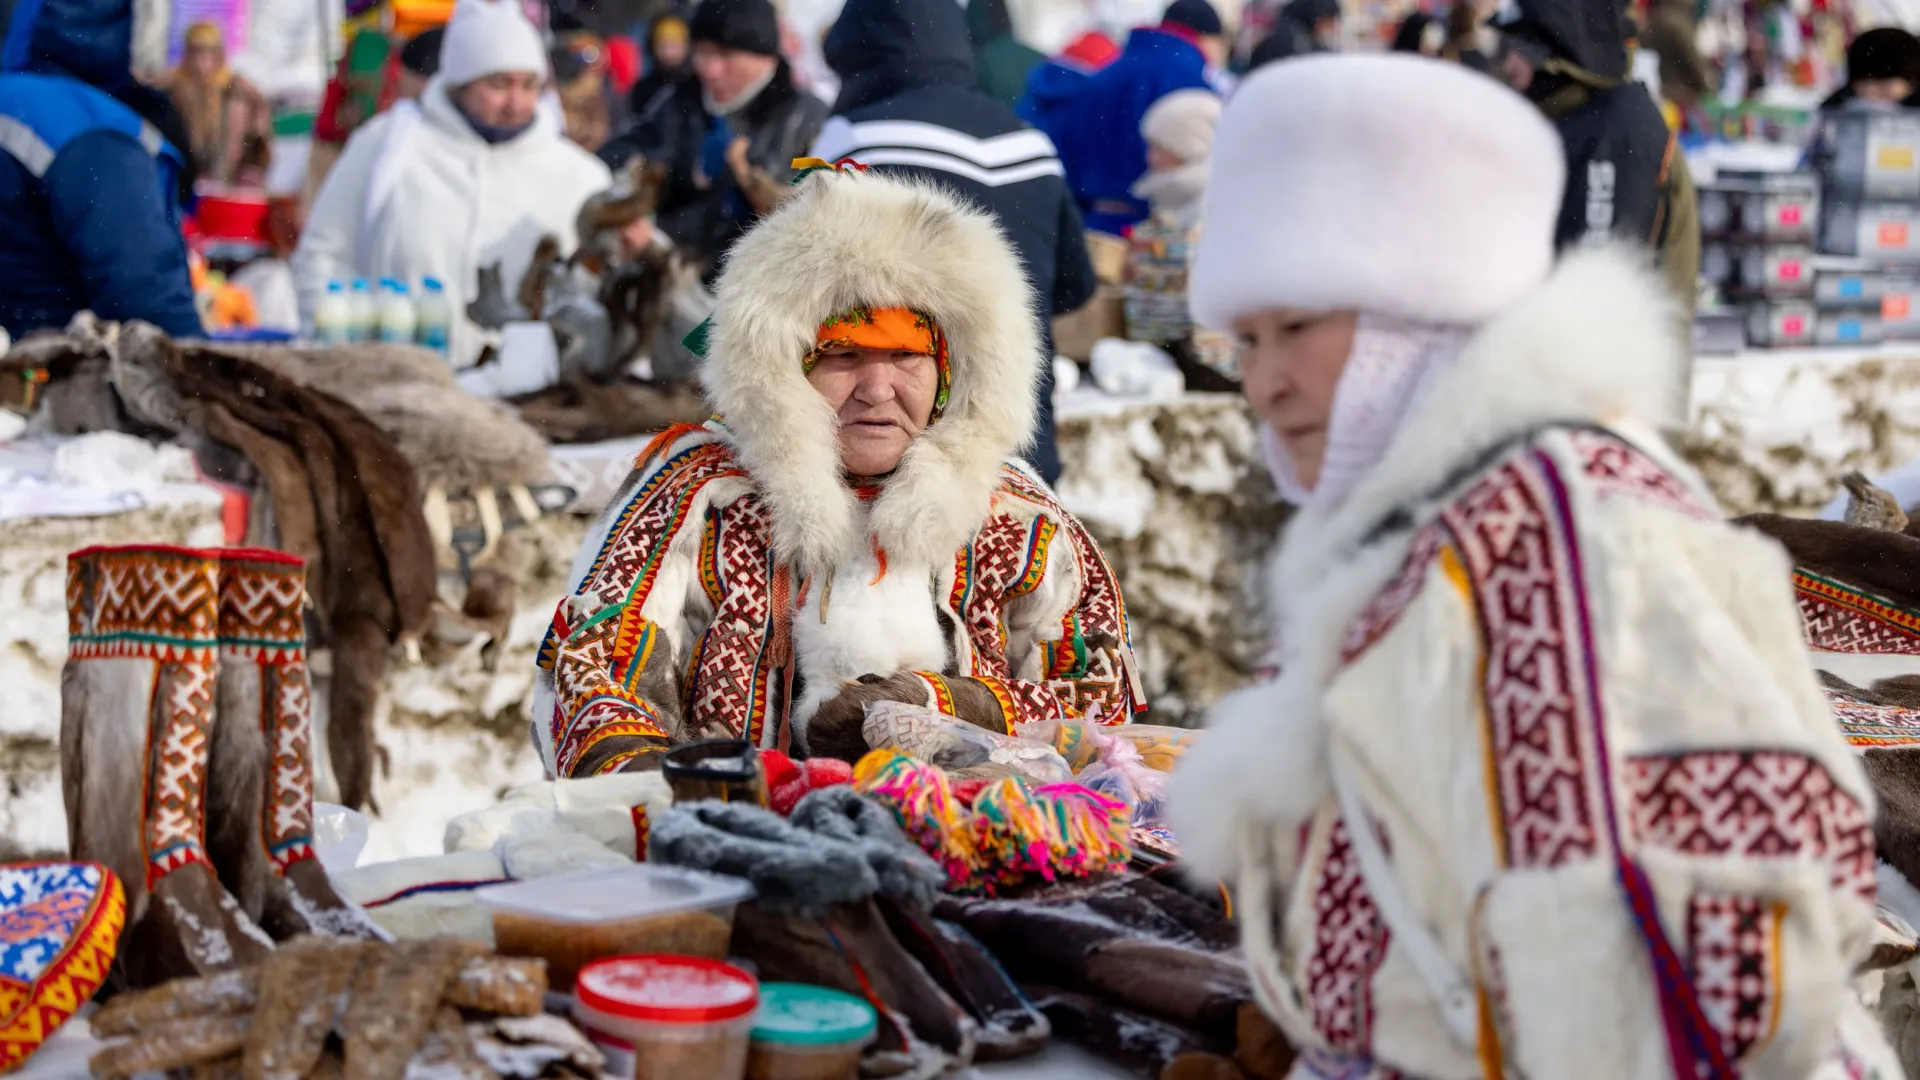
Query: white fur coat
[[1535, 653]]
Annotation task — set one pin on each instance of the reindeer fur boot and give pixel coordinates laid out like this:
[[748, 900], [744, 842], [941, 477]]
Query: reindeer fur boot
[[137, 697], [260, 820]]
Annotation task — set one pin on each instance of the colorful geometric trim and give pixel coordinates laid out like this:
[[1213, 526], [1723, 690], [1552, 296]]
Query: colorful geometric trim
[[1039, 542], [1751, 804], [640, 536], [60, 925], [261, 616], [942, 693], [1734, 955], [1867, 725], [1842, 619], [1349, 945], [1003, 696], [1539, 730], [147, 601], [1384, 610]]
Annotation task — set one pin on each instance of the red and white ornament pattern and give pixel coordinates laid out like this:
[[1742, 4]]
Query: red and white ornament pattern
[[1731, 950], [1751, 803], [1540, 726], [1349, 944]]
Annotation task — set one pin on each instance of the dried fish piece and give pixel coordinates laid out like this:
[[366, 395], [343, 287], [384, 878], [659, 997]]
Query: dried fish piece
[[524, 1048], [227, 1068], [302, 987], [447, 1053], [395, 997], [226, 993], [175, 1044], [507, 985]]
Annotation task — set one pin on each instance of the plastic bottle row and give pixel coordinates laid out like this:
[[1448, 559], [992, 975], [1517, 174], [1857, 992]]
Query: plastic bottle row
[[351, 313]]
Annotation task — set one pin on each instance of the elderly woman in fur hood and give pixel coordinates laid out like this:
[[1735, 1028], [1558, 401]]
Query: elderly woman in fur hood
[[852, 525], [1546, 786]]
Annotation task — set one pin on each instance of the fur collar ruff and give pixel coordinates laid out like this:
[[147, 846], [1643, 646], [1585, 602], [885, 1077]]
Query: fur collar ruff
[[842, 239], [1599, 342]]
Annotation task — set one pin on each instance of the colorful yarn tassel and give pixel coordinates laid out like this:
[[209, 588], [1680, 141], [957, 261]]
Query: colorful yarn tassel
[[1014, 833], [1092, 830], [923, 803], [1011, 833]]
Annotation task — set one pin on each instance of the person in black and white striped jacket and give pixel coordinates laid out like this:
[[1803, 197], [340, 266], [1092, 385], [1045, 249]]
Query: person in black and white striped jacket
[[910, 101]]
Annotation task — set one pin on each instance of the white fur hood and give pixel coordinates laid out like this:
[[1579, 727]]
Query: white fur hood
[[1598, 342], [842, 239]]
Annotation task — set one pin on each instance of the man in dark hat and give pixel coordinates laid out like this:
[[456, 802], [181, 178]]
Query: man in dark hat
[[728, 136], [1883, 69], [1625, 175]]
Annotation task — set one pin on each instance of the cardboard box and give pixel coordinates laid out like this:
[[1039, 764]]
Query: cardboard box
[[1104, 316]]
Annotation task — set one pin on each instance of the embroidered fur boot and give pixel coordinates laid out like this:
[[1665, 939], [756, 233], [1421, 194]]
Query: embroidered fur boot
[[260, 819], [136, 719]]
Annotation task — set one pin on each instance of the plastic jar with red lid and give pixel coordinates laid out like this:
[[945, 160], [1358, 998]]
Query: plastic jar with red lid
[[672, 1017]]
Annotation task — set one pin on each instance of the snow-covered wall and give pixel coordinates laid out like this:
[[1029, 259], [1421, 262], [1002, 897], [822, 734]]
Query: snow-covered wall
[[1179, 498], [1774, 430]]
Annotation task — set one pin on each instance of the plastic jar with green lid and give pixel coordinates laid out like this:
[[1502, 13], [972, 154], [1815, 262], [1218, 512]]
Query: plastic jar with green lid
[[808, 1033]]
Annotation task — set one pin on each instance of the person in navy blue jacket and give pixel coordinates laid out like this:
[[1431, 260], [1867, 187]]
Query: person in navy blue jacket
[[910, 101], [1096, 126], [90, 189]]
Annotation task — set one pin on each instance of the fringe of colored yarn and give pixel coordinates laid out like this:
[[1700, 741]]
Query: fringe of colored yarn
[[1013, 833], [1090, 830], [922, 802]]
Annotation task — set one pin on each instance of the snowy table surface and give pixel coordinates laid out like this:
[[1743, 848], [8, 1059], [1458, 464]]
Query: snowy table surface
[[64, 1057]]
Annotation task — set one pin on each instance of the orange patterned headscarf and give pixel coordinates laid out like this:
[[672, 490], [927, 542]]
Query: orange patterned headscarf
[[891, 328]]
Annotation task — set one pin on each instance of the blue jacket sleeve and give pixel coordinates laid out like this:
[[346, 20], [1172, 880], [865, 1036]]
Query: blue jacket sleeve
[[103, 194]]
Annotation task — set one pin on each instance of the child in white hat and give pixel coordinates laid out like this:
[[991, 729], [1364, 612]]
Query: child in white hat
[[1546, 786]]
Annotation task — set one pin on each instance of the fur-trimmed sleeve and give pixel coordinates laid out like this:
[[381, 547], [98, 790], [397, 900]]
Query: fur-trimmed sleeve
[[609, 658], [1067, 640]]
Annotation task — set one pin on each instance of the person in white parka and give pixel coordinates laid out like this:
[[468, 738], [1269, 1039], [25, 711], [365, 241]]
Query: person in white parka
[[474, 173], [1545, 787]]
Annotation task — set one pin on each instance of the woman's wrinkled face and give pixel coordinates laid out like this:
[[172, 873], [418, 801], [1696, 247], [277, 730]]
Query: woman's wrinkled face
[[1290, 365], [883, 399], [505, 100]]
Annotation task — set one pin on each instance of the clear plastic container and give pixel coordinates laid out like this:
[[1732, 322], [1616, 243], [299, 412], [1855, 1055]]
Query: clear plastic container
[[333, 316], [574, 919], [808, 1033], [396, 312], [668, 1017], [433, 313], [363, 315]]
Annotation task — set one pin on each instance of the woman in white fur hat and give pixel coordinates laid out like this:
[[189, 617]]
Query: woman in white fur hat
[[473, 174], [1546, 787]]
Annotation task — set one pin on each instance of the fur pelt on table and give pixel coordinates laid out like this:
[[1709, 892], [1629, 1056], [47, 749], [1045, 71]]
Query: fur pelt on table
[[345, 499], [1886, 564], [452, 438]]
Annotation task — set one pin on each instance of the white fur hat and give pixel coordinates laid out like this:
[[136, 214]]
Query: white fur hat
[[487, 37], [1395, 185], [1182, 123]]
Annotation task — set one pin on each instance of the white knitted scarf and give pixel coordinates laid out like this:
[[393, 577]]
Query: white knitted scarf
[[1392, 363]]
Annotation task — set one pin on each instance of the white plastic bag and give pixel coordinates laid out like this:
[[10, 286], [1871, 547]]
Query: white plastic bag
[[339, 836]]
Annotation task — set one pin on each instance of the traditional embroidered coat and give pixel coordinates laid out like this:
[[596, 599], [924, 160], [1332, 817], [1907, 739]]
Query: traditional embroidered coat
[[738, 581], [1573, 708]]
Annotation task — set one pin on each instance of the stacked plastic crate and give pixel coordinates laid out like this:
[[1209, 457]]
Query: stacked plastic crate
[[1870, 176], [1758, 231]]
